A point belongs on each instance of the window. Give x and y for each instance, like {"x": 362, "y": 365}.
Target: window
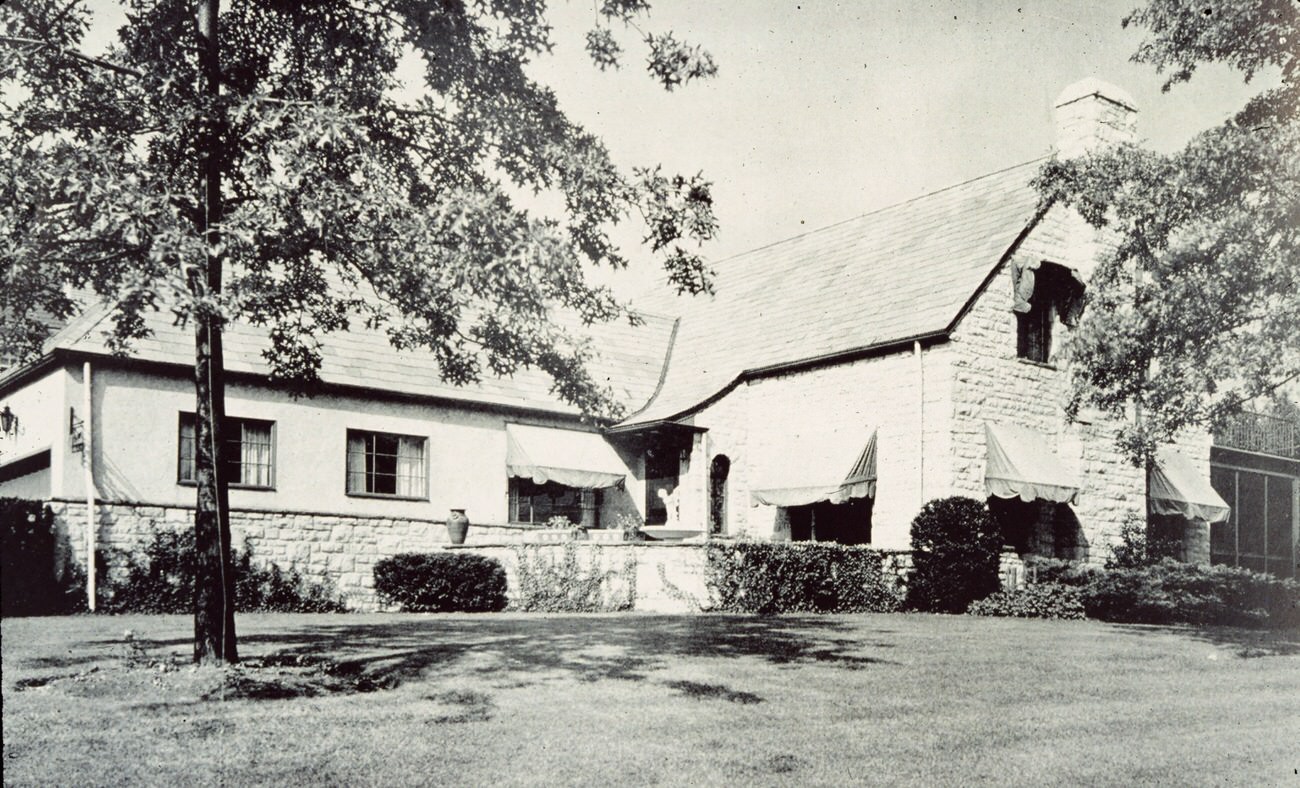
{"x": 384, "y": 464}
{"x": 661, "y": 469}
{"x": 535, "y": 503}
{"x": 1034, "y": 332}
{"x": 1260, "y": 532}
{"x": 248, "y": 455}
{"x": 1044, "y": 296}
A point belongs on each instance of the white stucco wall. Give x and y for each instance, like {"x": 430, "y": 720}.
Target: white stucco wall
{"x": 42, "y": 410}
{"x": 136, "y": 444}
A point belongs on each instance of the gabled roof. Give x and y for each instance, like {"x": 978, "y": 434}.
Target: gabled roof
{"x": 897, "y": 274}
{"x": 627, "y": 358}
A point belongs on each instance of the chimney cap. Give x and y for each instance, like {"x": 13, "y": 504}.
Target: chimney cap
{"x": 1091, "y": 86}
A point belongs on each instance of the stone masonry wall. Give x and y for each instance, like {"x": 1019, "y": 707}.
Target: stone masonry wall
{"x": 992, "y": 385}
{"x": 881, "y": 393}
{"x": 340, "y": 549}
{"x": 669, "y": 578}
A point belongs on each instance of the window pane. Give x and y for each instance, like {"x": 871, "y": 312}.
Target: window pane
{"x": 384, "y": 464}
{"x": 356, "y": 463}
{"x": 1279, "y": 531}
{"x": 537, "y": 503}
{"x": 1223, "y": 536}
{"x": 1250, "y": 520}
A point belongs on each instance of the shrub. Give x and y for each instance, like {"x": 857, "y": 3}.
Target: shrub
{"x": 160, "y": 579}
{"x": 441, "y": 582}
{"x": 955, "y": 550}
{"x": 797, "y": 577}
{"x": 1141, "y": 544}
{"x": 1176, "y": 593}
{"x": 563, "y": 585}
{"x": 1040, "y": 569}
{"x": 1039, "y": 600}
{"x": 29, "y": 582}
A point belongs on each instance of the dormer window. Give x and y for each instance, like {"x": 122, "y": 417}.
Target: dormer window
{"x": 1045, "y": 294}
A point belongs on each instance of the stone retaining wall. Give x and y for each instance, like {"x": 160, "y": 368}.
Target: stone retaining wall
{"x": 338, "y": 549}
{"x": 669, "y": 577}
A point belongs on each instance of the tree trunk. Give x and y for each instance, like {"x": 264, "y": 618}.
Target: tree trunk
{"x": 214, "y": 581}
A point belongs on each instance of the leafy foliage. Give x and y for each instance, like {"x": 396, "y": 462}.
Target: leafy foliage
{"x": 1040, "y": 569}
{"x": 1037, "y": 600}
{"x": 160, "y": 579}
{"x": 441, "y": 582}
{"x": 1170, "y": 592}
{"x": 797, "y": 577}
{"x": 29, "y": 582}
{"x": 1142, "y": 544}
{"x": 347, "y": 200}
{"x": 955, "y": 549}
{"x": 548, "y": 583}
{"x": 1196, "y": 311}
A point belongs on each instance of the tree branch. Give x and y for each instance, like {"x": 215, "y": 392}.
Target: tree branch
{"x": 74, "y": 55}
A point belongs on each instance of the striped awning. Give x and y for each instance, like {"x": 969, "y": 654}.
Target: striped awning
{"x": 1021, "y": 465}
{"x": 1176, "y": 486}
{"x": 574, "y": 459}
{"x": 835, "y": 465}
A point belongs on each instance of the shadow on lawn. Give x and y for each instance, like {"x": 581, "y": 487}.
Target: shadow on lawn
{"x": 518, "y": 652}
{"x": 526, "y": 650}
{"x": 1245, "y": 643}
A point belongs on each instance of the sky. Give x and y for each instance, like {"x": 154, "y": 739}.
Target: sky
{"x": 822, "y": 111}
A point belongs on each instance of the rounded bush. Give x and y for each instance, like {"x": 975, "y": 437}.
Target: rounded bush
{"x": 955, "y": 549}
{"x": 441, "y": 583}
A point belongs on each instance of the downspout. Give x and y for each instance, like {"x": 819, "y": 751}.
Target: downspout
{"x": 707, "y": 497}
{"x": 920, "y": 405}
{"x": 88, "y": 464}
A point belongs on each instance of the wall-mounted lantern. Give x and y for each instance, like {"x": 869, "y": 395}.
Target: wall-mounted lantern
{"x": 8, "y": 422}
{"x": 75, "y": 431}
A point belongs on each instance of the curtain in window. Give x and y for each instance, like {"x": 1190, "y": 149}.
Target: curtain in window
{"x": 356, "y": 463}
{"x": 255, "y": 454}
{"x": 186, "y": 470}
{"x": 410, "y": 466}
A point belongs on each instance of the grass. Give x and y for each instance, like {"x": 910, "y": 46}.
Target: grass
{"x": 638, "y": 699}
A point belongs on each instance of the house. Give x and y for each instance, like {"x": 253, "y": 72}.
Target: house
{"x": 838, "y": 381}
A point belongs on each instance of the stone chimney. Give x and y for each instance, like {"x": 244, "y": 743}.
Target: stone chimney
{"x": 1091, "y": 114}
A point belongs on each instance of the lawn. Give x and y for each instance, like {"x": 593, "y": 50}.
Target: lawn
{"x": 640, "y": 699}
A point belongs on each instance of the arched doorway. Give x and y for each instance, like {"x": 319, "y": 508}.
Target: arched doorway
{"x": 718, "y": 471}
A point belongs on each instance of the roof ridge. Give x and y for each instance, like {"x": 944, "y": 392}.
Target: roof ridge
{"x": 882, "y": 209}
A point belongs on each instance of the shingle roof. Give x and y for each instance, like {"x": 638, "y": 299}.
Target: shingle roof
{"x": 628, "y": 358}
{"x": 900, "y": 272}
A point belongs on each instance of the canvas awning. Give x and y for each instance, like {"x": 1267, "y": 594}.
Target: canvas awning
{"x": 1068, "y": 297}
{"x": 1176, "y": 486}
{"x": 574, "y": 459}
{"x": 1021, "y": 465}
{"x": 802, "y": 468}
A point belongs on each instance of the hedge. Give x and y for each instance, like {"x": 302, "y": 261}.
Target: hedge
{"x": 441, "y": 582}
{"x": 1171, "y": 592}
{"x": 797, "y": 577}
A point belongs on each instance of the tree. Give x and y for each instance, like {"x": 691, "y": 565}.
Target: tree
{"x": 262, "y": 162}
{"x": 1195, "y": 315}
